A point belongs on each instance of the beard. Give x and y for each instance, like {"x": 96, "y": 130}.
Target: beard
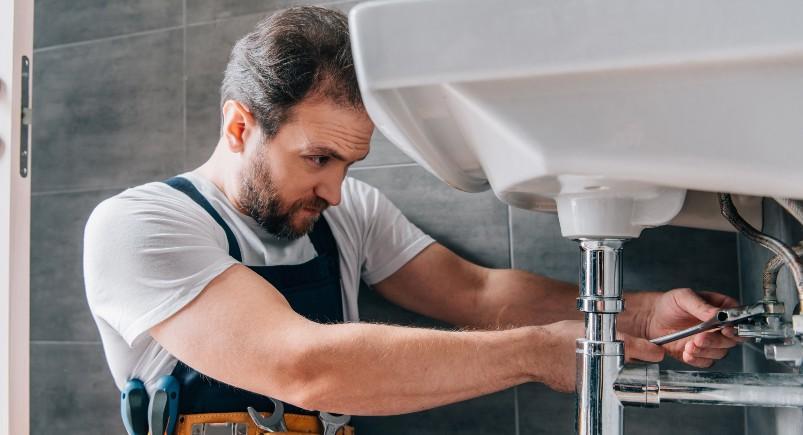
{"x": 260, "y": 198}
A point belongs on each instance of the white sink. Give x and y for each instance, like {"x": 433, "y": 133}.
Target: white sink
{"x": 612, "y": 108}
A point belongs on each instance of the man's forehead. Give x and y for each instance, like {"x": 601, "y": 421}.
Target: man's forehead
{"x": 321, "y": 109}
{"x": 340, "y": 129}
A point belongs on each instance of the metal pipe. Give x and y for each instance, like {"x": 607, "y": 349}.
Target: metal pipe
{"x": 600, "y": 356}
{"x": 786, "y": 252}
{"x": 643, "y": 385}
{"x": 601, "y": 327}
{"x": 792, "y": 206}
{"x": 770, "y": 276}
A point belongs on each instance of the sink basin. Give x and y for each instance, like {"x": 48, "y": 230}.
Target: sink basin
{"x": 612, "y": 109}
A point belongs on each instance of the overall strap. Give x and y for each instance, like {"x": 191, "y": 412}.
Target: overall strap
{"x": 322, "y": 238}
{"x": 185, "y": 186}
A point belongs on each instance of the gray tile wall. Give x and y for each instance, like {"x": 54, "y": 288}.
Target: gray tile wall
{"x": 127, "y": 91}
{"x": 752, "y": 258}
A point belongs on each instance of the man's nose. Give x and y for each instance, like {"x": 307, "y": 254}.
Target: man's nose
{"x": 329, "y": 191}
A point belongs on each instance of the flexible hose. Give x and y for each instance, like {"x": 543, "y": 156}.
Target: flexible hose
{"x": 770, "y": 276}
{"x": 794, "y": 207}
{"x": 778, "y": 247}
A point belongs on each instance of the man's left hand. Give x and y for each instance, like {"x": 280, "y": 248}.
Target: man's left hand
{"x": 682, "y": 308}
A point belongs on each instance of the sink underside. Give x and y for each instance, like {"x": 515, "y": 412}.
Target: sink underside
{"x": 612, "y": 109}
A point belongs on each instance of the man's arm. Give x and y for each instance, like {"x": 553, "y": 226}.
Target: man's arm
{"x": 444, "y": 286}
{"x": 240, "y": 330}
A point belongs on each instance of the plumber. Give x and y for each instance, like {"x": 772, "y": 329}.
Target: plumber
{"x": 239, "y": 278}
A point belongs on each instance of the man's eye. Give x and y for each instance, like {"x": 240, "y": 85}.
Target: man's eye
{"x": 318, "y": 160}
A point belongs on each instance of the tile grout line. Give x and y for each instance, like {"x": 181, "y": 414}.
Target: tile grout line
{"x": 516, "y": 427}
{"x": 516, "y": 419}
{"x": 79, "y": 190}
{"x": 741, "y": 298}
{"x": 231, "y": 17}
{"x": 745, "y": 349}
{"x": 184, "y": 83}
{"x": 746, "y": 423}
{"x": 71, "y": 342}
{"x": 510, "y": 236}
{"x": 105, "y": 39}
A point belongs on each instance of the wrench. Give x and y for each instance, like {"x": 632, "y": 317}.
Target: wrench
{"x": 332, "y": 423}
{"x": 724, "y": 317}
{"x": 274, "y": 423}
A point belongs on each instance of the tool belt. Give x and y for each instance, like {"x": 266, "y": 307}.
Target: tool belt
{"x": 240, "y": 423}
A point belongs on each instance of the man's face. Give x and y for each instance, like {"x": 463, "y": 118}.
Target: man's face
{"x": 289, "y": 180}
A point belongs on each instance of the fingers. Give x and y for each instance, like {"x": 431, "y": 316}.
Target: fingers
{"x": 714, "y": 340}
{"x": 641, "y": 349}
{"x": 714, "y": 353}
{"x": 730, "y": 332}
{"x": 703, "y": 350}
{"x": 719, "y": 300}
{"x": 697, "y": 362}
{"x": 693, "y": 303}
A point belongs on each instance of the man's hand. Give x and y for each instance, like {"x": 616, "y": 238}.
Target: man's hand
{"x": 682, "y": 308}
{"x": 563, "y": 359}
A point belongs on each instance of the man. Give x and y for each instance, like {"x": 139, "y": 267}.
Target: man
{"x": 244, "y": 272}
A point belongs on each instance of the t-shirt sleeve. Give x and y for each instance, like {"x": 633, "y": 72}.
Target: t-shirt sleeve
{"x": 146, "y": 256}
{"x": 390, "y": 240}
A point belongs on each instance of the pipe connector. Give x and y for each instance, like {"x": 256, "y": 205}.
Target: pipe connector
{"x": 785, "y": 353}
{"x": 637, "y": 385}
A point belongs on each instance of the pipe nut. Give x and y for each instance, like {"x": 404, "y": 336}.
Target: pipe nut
{"x": 791, "y": 353}
{"x": 600, "y": 305}
{"x": 797, "y": 324}
{"x": 774, "y": 307}
{"x": 599, "y": 348}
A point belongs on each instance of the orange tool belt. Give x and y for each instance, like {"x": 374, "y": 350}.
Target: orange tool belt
{"x": 240, "y": 423}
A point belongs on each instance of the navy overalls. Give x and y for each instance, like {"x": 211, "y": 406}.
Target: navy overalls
{"x": 311, "y": 288}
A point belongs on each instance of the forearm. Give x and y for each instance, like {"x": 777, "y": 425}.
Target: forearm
{"x": 517, "y": 298}
{"x": 369, "y": 369}
{"x": 513, "y": 297}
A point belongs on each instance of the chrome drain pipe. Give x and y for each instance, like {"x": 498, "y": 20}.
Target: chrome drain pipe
{"x": 645, "y": 386}
{"x": 600, "y": 356}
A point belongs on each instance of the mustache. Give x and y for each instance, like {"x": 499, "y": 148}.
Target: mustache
{"x": 316, "y": 203}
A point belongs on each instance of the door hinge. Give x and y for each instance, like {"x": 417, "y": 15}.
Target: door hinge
{"x": 25, "y": 115}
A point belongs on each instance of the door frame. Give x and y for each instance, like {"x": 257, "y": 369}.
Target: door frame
{"x": 16, "y": 42}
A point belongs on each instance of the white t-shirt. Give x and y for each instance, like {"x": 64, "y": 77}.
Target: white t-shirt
{"x": 151, "y": 249}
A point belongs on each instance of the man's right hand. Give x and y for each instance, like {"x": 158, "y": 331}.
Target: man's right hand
{"x": 360, "y": 368}
{"x": 560, "y": 370}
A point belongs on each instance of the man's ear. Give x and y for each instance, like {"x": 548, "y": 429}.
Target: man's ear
{"x": 238, "y": 124}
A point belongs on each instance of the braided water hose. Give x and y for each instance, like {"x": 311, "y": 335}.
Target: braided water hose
{"x": 770, "y": 276}
{"x": 780, "y": 248}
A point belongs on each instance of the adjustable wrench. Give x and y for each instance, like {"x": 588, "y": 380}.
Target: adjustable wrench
{"x": 723, "y": 317}
{"x": 274, "y": 423}
{"x": 332, "y": 423}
